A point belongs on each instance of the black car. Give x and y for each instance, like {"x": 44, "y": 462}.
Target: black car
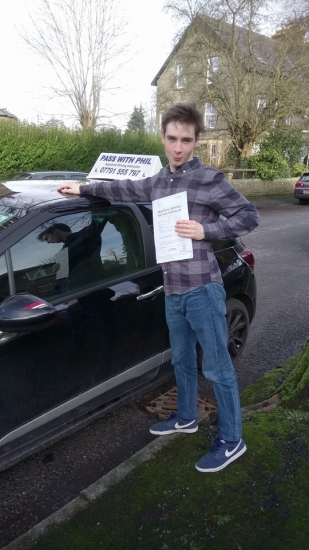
{"x": 301, "y": 189}
{"x": 50, "y": 175}
{"x": 82, "y": 318}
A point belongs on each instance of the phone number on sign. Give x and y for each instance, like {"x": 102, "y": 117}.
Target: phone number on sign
{"x": 120, "y": 171}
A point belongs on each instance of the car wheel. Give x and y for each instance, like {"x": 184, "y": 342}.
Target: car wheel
{"x": 237, "y": 319}
{"x": 302, "y": 201}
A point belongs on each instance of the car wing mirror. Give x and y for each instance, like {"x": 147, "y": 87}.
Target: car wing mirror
{"x": 24, "y": 313}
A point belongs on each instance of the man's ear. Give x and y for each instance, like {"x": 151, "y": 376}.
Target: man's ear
{"x": 162, "y": 136}
{"x": 197, "y": 139}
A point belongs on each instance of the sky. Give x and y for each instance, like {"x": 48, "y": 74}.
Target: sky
{"x": 25, "y": 83}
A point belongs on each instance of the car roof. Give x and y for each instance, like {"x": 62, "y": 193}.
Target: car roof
{"x": 49, "y": 172}
{"x": 30, "y": 194}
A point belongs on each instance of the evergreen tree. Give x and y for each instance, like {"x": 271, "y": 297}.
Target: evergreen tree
{"x": 137, "y": 120}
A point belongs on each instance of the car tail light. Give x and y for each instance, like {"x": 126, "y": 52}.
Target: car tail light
{"x": 248, "y": 257}
{"x": 299, "y": 184}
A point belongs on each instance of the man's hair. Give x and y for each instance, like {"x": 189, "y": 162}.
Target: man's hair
{"x": 186, "y": 113}
{"x": 51, "y": 229}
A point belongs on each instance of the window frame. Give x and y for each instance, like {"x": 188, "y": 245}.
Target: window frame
{"x": 210, "y": 116}
{"x": 180, "y": 79}
{"x": 212, "y": 68}
{"x": 36, "y": 218}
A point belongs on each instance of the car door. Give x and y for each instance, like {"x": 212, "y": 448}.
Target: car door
{"x": 109, "y": 330}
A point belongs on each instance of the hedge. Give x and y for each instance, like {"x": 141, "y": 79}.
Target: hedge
{"x": 30, "y": 147}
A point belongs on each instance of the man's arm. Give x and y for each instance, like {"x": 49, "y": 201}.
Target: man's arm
{"x": 116, "y": 190}
{"x": 240, "y": 215}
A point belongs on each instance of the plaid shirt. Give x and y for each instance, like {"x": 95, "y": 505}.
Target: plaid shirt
{"x": 209, "y": 196}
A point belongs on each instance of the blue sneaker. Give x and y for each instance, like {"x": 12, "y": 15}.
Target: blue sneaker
{"x": 220, "y": 455}
{"x": 174, "y": 424}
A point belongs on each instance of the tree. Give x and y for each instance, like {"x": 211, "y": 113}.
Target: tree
{"x": 83, "y": 42}
{"x": 137, "y": 120}
{"x": 257, "y": 79}
{"x": 290, "y": 143}
{"x": 150, "y": 114}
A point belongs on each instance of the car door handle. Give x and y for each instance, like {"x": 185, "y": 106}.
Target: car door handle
{"x": 150, "y": 294}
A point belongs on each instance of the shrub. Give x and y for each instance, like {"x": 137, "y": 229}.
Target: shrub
{"x": 298, "y": 169}
{"x": 25, "y": 147}
{"x": 270, "y": 165}
{"x": 290, "y": 143}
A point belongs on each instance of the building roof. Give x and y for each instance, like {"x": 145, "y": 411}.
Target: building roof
{"x": 6, "y": 114}
{"x": 265, "y": 50}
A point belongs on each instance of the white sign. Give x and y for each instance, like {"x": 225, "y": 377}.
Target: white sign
{"x": 62, "y": 259}
{"x": 116, "y": 166}
{"x": 166, "y": 212}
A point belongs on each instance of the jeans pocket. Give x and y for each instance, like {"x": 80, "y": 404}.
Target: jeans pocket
{"x": 220, "y": 295}
{"x": 197, "y": 290}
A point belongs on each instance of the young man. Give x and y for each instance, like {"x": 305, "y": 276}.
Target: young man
{"x": 194, "y": 293}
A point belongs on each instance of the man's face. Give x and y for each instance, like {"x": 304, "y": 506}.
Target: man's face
{"x": 53, "y": 238}
{"x": 179, "y": 141}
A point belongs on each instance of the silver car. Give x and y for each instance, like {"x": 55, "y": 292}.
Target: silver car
{"x": 301, "y": 189}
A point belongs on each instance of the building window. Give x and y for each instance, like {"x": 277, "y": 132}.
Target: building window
{"x": 261, "y": 103}
{"x": 210, "y": 116}
{"x": 212, "y": 68}
{"x": 180, "y": 76}
{"x": 214, "y": 149}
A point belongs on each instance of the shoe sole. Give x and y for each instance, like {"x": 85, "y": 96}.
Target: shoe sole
{"x": 234, "y": 457}
{"x": 174, "y": 431}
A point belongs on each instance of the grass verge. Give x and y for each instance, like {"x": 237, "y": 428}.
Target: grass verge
{"x": 260, "y": 501}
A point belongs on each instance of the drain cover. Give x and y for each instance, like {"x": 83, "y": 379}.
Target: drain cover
{"x": 166, "y": 403}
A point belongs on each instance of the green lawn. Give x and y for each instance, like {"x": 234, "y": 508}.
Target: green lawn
{"x": 260, "y": 502}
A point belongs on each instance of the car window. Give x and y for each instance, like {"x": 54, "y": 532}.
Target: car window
{"x": 305, "y": 177}
{"x": 222, "y": 244}
{"x": 76, "y": 177}
{"x": 76, "y": 251}
{"x": 4, "y": 284}
{"x": 22, "y": 176}
{"x": 54, "y": 177}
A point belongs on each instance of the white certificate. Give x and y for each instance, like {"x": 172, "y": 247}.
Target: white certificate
{"x": 166, "y": 212}
{"x": 62, "y": 258}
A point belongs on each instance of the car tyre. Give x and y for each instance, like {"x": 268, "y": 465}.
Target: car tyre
{"x": 238, "y": 322}
{"x": 302, "y": 201}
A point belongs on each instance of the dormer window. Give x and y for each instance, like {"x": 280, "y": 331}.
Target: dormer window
{"x": 180, "y": 81}
{"x": 212, "y": 68}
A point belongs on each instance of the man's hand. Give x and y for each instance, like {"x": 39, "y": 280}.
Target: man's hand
{"x": 190, "y": 229}
{"x": 55, "y": 268}
{"x": 69, "y": 189}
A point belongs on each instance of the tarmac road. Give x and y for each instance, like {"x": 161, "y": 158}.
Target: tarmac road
{"x": 40, "y": 485}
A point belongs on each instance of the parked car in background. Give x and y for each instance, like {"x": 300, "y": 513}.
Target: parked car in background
{"x": 82, "y": 311}
{"x": 301, "y": 189}
{"x": 50, "y": 175}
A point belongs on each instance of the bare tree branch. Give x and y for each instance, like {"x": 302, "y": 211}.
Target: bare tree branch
{"x": 83, "y": 42}
{"x": 260, "y": 80}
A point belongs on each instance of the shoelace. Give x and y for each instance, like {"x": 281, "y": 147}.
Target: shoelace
{"x": 170, "y": 418}
{"x": 217, "y": 445}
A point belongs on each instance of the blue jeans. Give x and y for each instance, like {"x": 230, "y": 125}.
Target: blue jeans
{"x": 199, "y": 315}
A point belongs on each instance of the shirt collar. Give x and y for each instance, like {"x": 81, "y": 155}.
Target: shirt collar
{"x": 194, "y": 163}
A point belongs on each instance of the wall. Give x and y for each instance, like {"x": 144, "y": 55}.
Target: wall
{"x": 256, "y": 187}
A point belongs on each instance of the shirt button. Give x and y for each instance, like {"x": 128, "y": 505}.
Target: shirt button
{"x": 183, "y": 171}
{"x": 171, "y": 179}
{"x": 165, "y": 272}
